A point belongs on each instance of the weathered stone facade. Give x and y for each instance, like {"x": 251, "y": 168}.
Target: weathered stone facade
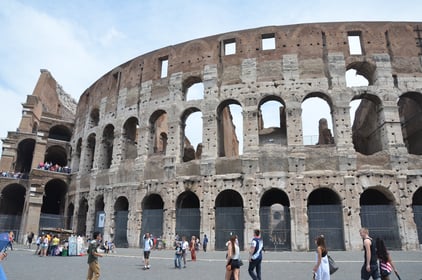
{"x": 128, "y": 144}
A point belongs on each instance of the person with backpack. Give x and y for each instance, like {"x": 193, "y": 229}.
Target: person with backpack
{"x": 148, "y": 245}
{"x": 255, "y": 255}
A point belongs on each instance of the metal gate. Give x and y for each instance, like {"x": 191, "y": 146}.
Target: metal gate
{"x": 188, "y": 221}
{"x": 120, "y": 229}
{"x": 326, "y": 219}
{"x": 10, "y": 223}
{"x": 52, "y": 221}
{"x": 228, "y": 221}
{"x": 417, "y": 214}
{"x": 275, "y": 228}
{"x": 152, "y": 222}
{"x": 381, "y": 220}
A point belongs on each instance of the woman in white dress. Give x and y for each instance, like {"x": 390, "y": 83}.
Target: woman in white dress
{"x": 321, "y": 269}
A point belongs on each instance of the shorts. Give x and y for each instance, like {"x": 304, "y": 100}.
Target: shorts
{"x": 365, "y": 275}
{"x": 235, "y": 264}
{"x": 146, "y": 254}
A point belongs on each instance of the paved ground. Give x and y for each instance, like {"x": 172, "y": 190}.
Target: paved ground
{"x": 125, "y": 264}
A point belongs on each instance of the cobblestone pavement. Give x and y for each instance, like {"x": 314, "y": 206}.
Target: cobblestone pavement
{"x": 126, "y": 264}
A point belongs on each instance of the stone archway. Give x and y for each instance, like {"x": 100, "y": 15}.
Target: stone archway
{"x": 325, "y": 217}
{"x": 121, "y": 211}
{"x": 274, "y": 215}
{"x": 188, "y": 218}
{"x": 152, "y": 216}
{"x": 417, "y": 212}
{"x": 12, "y": 201}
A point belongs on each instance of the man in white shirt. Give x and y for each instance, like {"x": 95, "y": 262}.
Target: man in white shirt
{"x": 147, "y": 249}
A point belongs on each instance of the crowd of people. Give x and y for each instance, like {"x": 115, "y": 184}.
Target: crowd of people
{"x": 49, "y": 166}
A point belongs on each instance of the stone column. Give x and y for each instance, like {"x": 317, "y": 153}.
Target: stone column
{"x": 250, "y": 130}
{"x": 351, "y": 214}
{"x": 299, "y": 216}
{"x": 294, "y": 121}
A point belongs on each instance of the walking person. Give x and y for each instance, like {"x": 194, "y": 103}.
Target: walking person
{"x": 385, "y": 260}
{"x": 185, "y": 246}
{"x": 93, "y": 265}
{"x": 370, "y": 265}
{"x": 205, "y": 242}
{"x": 232, "y": 259}
{"x": 255, "y": 255}
{"x": 148, "y": 243}
{"x": 322, "y": 268}
{"x": 29, "y": 239}
{"x": 192, "y": 247}
{"x": 178, "y": 255}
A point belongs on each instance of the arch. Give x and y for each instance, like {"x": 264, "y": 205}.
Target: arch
{"x": 188, "y": 215}
{"x": 230, "y": 128}
{"x": 366, "y": 128}
{"x": 158, "y": 127}
{"x": 229, "y": 218}
{"x": 193, "y": 88}
{"x": 325, "y": 216}
{"x": 69, "y": 217}
{"x": 76, "y": 160}
{"x": 410, "y": 111}
{"x": 317, "y": 119}
{"x": 274, "y": 215}
{"x": 130, "y": 139}
{"x": 378, "y": 214}
{"x": 417, "y": 212}
{"x": 152, "y": 215}
{"x": 107, "y": 145}
{"x": 82, "y": 215}
{"x": 53, "y": 205}
{"x": 25, "y": 155}
{"x": 56, "y": 155}
{"x": 365, "y": 69}
{"x": 192, "y": 124}
{"x": 60, "y": 132}
{"x": 12, "y": 200}
{"x": 99, "y": 213}
{"x": 272, "y": 126}
{"x": 94, "y": 117}
{"x": 121, "y": 212}
{"x": 90, "y": 151}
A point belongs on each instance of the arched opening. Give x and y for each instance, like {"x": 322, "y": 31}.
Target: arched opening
{"x": 317, "y": 124}
{"x": 192, "y": 134}
{"x": 229, "y": 218}
{"x": 90, "y": 152}
{"x": 272, "y": 125}
{"x": 188, "y": 218}
{"x": 130, "y": 139}
{"x": 94, "y": 118}
{"x": 60, "y": 132}
{"x": 274, "y": 214}
{"x": 12, "y": 201}
{"x": 99, "y": 214}
{"x": 53, "y": 205}
{"x": 194, "y": 89}
{"x": 378, "y": 214}
{"x": 359, "y": 74}
{"x": 417, "y": 212}
{"x": 325, "y": 216}
{"x": 25, "y": 154}
{"x": 77, "y": 158}
{"x": 158, "y": 128}
{"x": 82, "y": 215}
{"x": 69, "y": 218}
{"x": 152, "y": 216}
{"x": 56, "y": 157}
{"x": 367, "y": 125}
{"x": 107, "y": 144}
{"x": 410, "y": 111}
{"x": 230, "y": 129}
{"x": 121, "y": 212}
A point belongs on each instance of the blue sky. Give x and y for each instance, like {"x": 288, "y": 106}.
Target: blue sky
{"x": 79, "y": 41}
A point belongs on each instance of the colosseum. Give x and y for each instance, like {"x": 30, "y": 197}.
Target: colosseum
{"x": 120, "y": 159}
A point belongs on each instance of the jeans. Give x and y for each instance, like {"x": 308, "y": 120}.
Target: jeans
{"x": 178, "y": 261}
{"x": 255, "y": 264}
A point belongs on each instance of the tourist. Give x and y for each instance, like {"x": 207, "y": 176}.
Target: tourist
{"x": 385, "y": 260}
{"x": 185, "y": 246}
{"x": 255, "y": 256}
{"x": 370, "y": 265}
{"x": 192, "y": 246}
{"x": 93, "y": 265}
{"x": 205, "y": 242}
{"x": 148, "y": 243}
{"x": 232, "y": 259}
{"x": 178, "y": 255}
{"x": 321, "y": 269}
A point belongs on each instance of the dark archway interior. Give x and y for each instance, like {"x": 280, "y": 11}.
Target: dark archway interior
{"x": 274, "y": 196}
{"x": 99, "y": 204}
{"x": 56, "y": 155}
{"x": 153, "y": 201}
{"x": 374, "y": 197}
{"x": 229, "y": 198}
{"x": 25, "y": 154}
{"x": 12, "y": 200}
{"x": 323, "y": 196}
{"x": 122, "y": 204}
{"x": 60, "y": 132}
{"x": 187, "y": 200}
{"x": 54, "y": 197}
{"x": 417, "y": 197}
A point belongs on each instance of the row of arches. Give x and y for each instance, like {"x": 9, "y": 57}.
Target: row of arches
{"x": 368, "y": 128}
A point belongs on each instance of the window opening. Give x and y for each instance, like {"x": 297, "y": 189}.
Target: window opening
{"x": 268, "y": 42}
{"x": 192, "y": 142}
{"x": 229, "y": 47}
{"x": 314, "y": 111}
{"x": 355, "y": 46}
{"x": 164, "y": 67}
{"x": 195, "y": 92}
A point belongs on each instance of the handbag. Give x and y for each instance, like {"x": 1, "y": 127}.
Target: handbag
{"x": 385, "y": 268}
{"x": 332, "y": 264}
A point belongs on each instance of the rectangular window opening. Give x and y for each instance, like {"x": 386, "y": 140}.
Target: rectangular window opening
{"x": 268, "y": 41}
{"x": 355, "y": 46}
{"x": 230, "y": 47}
{"x": 164, "y": 67}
